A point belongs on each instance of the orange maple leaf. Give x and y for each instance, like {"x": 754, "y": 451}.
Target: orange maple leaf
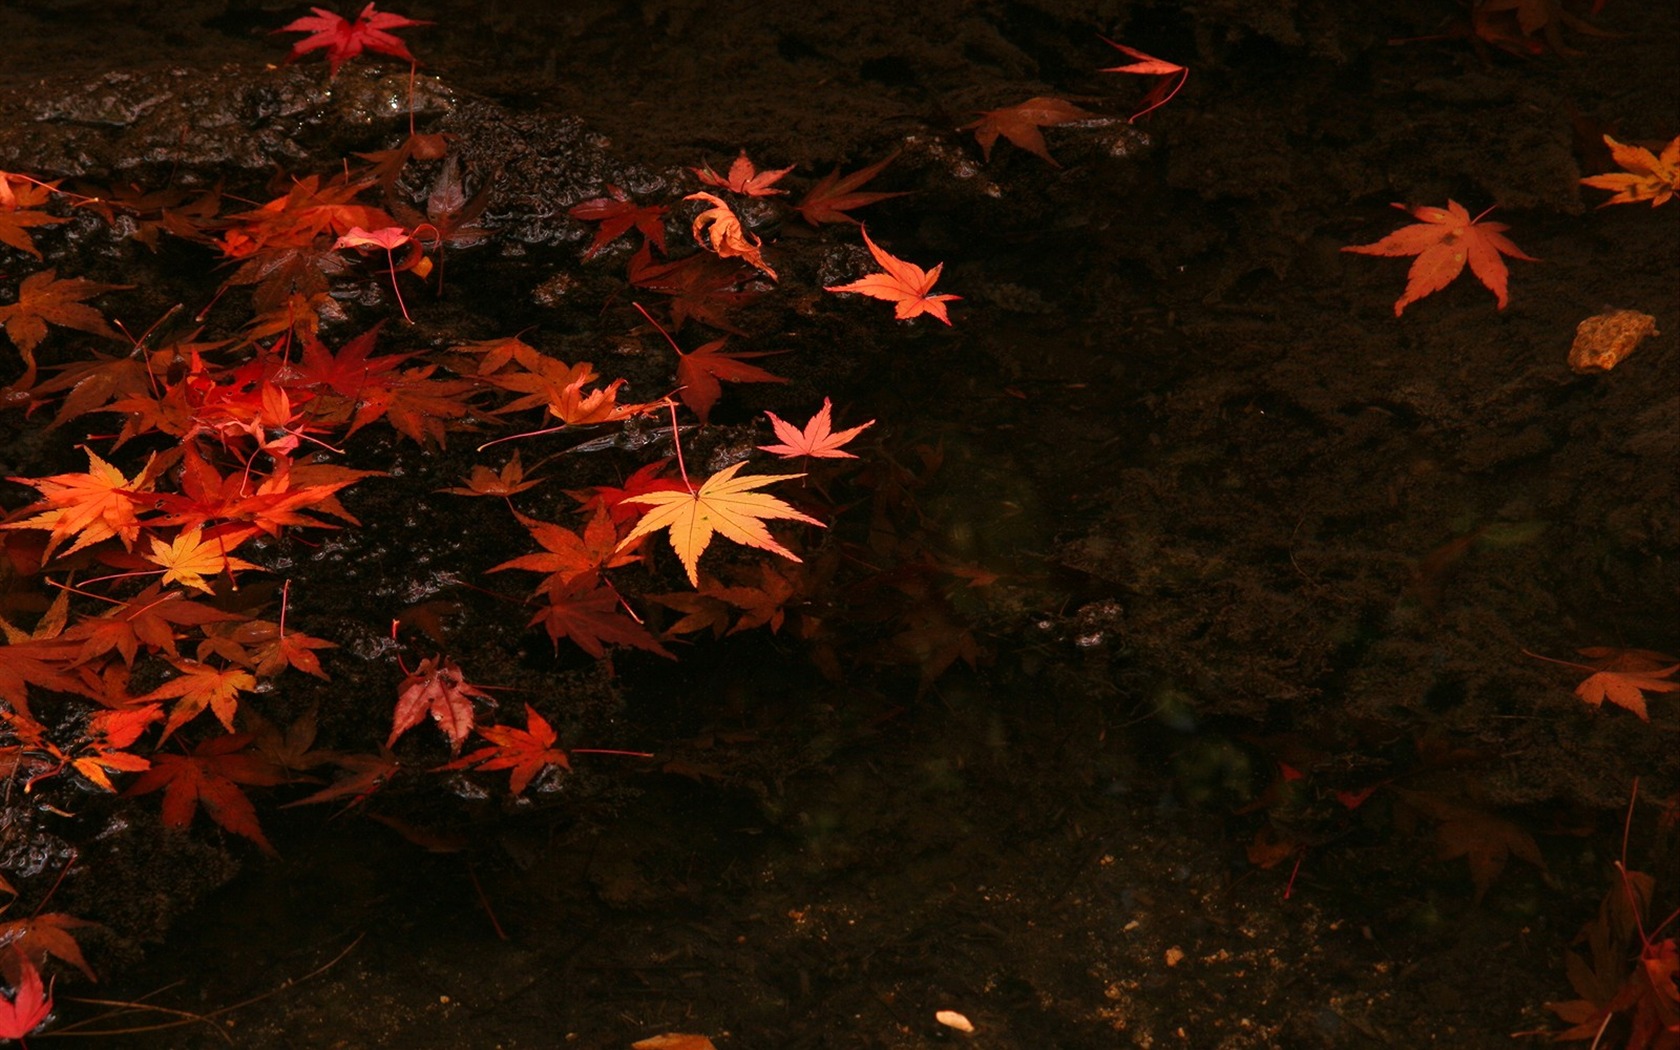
{"x": 724, "y": 504}
{"x": 743, "y": 178}
{"x": 1020, "y": 123}
{"x": 486, "y": 482}
{"x": 20, "y": 196}
{"x": 904, "y": 284}
{"x": 526, "y": 752}
{"x": 210, "y": 777}
{"x": 43, "y": 299}
{"x": 570, "y": 556}
{"x": 817, "y": 440}
{"x": 1647, "y": 177}
{"x": 92, "y": 506}
{"x": 1624, "y": 676}
{"x": 720, "y": 229}
{"x": 1442, "y": 242}
{"x": 201, "y": 685}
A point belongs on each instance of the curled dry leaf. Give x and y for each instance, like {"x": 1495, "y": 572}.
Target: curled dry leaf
{"x": 719, "y": 229}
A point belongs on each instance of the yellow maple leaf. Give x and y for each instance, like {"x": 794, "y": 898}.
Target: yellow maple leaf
{"x": 190, "y": 557}
{"x": 1647, "y": 177}
{"x": 724, "y": 504}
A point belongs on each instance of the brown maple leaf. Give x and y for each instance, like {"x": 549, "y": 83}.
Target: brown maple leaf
{"x": 591, "y": 615}
{"x": 1443, "y": 241}
{"x": 1020, "y": 123}
{"x": 1484, "y": 839}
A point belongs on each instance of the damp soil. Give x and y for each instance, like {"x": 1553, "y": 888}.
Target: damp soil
{"x": 1244, "y": 524}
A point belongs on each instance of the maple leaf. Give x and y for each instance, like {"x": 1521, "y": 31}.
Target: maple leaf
{"x": 210, "y": 777}
{"x": 268, "y": 648}
{"x": 834, "y": 195}
{"x": 33, "y": 939}
{"x": 570, "y": 556}
{"x": 1624, "y": 676}
{"x": 438, "y": 688}
{"x": 719, "y": 229}
{"x": 149, "y": 618}
{"x": 1149, "y": 65}
{"x": 674, "y": 1041}
{"x": 92, "y": 506}
{"x": 1442, "y": 242}
{"x": 1485, "y": 840}
{"x": 904, "y": 284}
{"x": 743, "y": 178}
{"x": 724, "y": 504}
{"x": 526, "y": 752}
{"x": 1646, "y": 177}
{"x": 28, "y": 1007}
{"x": 1020, "y": 123}
{"x": 562, "y": 388}
{"x": 701, "y": 286}
{"x": 344, "y": 39}
{"x": 699, "y": 371}
{"x": 43, "y": 299}
{"x": 97, "y": 763}
{"x": 188, "y": 557}
{"x": 201, "y": 685}
{"x": 590, "y": 615}
{"x": 817, "y": 440}
{"x": 647, "y": 478}
{"x": 504, "y": 483}
{"x": 617, "y": 213}
{"x": 19, "y": 199}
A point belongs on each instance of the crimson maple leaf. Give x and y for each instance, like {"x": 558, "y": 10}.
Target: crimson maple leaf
{"x": 590, "y": 615}
{"x": 526, "y": 752}
{"x": 438, "y": 688}
{"x": 817, "y": 439}
{"x": 904, "y": 284}
{"x": 210, "y": 777}
{"x": 1443, "y": 241}
{"x": 344, "y": 39}
{"x": 20, "y": 197}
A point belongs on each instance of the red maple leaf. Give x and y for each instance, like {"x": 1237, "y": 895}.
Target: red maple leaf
{"x": 617, "y": 213}
{"x": 1172, "y": 76}
{"x": 345, "y": 39}
{"x": 701, "y": 286}
{"x": 817, "y": 440}
{"x": 1020, "y": 123}
{"x": 904, "y": 284}
{"x": 700, "y": 371}
{"x": 743, "y": 178}
{"x": 834, "y": 195}
{"x": 526, "y": 752}
{"x": 29, "y": 1006}
{"x": 1443, "y": 241}
{"x": 591, "y": 615}
{"x": 210, "y": 777}
{"x": 438, "y": 688}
